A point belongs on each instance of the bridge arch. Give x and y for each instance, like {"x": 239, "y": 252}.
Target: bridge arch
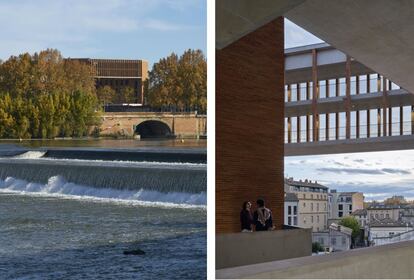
{"x": 153, "y": 129}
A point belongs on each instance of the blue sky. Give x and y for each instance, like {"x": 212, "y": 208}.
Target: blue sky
{"x": 131, "y": 29}
{"x": 377, "y": 174}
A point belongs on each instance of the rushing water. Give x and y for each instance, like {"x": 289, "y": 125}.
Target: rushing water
{"x": 72, "y": 217}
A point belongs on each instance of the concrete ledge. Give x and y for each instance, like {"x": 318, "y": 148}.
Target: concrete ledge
{"x": 388, "y": 261}
{"x": 238, "y": 249}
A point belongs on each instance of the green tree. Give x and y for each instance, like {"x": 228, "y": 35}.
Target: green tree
{"x": 352, "y": 223}
{"x": 106, "y": 95}
{"x": 128, "y": 95}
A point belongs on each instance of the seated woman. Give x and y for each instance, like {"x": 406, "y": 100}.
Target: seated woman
{"x": 246, "y": 218}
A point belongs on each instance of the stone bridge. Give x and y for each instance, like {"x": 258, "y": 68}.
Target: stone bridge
{"x": 154, "y": 124}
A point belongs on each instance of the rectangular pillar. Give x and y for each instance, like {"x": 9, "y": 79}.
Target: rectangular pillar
{"x": 250, "y": 125}
{"x": 368, "y": 112}
{"x": 336, "y": 114}
{"x": 298, "y": 126}
{"x": 357, "y": 112}
{"x": 384, "y": 105}
{"x": 289, "y": 119}
{"x": 412, "y": 119}
{"x": 315, "y": 96}
{"x": 327, "y": 115}
{"x": 379, "y": 110}
{"x": 348, "y": 97}
{"x": 401, "y": 120}
{"x": 307, "y": 116}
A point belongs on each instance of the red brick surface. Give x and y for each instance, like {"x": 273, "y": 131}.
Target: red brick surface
{"x": 250, "y": 125}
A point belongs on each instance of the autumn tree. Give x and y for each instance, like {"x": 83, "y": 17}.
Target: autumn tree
{"x": 179, "y": 82}
{"x": 45, "y": 96}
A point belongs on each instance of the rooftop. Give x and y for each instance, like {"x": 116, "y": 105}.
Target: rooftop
{"x": 383, "y": 206}
{"x": 306, "y": 183}
{"x": 291, "y": 197}
{"x": 387, "y": 223}
{"x": 359, "y": 212}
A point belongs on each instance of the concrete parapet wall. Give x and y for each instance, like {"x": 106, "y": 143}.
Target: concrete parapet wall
{"x": 388, "y": 261}
{"x": 236, "y": 249}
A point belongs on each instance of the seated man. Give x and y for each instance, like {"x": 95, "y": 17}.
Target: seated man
{"x": 262, "y": 217}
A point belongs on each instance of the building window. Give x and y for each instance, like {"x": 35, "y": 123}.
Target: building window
{"x": 295, "y": 210}
{"x": 325, "y": 206}
{"x": 317, "y": 218}
{"x": 311, "y": 219}
{"x": 289, "y": 210}
{"x": 333, "y": 241}
{"x": 387, "y": 215}
{"x": 340, "y": 207}
{"x": 304, "y": 204}
{"x": 340, "y": 214}
{"x": 304, "y": 220}
{"x": 343, "y": 240}
{"x": 382, "y": 216}
{"x": 376, "y": 216}
{"x": 317, "y": 207}
{"x": 311, "y": 196}
{"x": 295, "y": 221}
{"x": 289, "y": 220}
{"x": 312, "y": 206}
{"x": 321, "y": 241}
{"x": 350, "y": 207}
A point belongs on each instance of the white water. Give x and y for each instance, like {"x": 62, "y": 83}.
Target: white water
{"x": 57, "y": 186}
{"x": 31, "y": 155}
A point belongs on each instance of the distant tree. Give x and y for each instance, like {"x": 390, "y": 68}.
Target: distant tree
{"x": 180, "y": 82}
{"x": 128, "y": 95}
{"x": 395, "y": 200}
{"x": 106, "y": 95}
{"x": 352, "y": 223}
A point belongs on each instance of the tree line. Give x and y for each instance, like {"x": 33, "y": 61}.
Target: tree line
{"x": 44, "y": 96}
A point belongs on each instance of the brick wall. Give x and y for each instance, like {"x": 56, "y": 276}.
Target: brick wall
{"x": 250, "y": 125}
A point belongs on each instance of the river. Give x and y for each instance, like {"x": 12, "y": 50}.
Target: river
{"x": 70, "y": 208}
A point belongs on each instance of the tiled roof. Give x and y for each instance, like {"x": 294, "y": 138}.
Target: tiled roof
{"x": 360, "y": 212}
{"x": 387, "y": 223}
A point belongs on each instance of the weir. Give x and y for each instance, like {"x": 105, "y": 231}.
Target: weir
{"x": 157, "y": 177}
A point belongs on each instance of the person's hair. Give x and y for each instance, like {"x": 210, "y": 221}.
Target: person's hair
{"x": 245, "y": 204}
{"x": 260, "y": 202}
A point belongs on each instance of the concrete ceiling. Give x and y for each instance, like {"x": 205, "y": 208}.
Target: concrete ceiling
{"x": 377, "y": 33}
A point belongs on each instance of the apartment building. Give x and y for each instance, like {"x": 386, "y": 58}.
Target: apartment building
{"x": 291, "y": 209}
{"x": 312, "y": 203}
{"x": 382, "y": 211}
{"x": 342, "y": 204}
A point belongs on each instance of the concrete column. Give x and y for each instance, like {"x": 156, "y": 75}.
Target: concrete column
{"x": 289, "y": 120}
{"x": 357, "y": 112}
{"x": 379, "y": 110}
{"x": 401, "y": 120}
{"x": 384, "y": 106}
{"x": 298, "y": 126}
{"x": 368, "y": 112}
{"x": 315, "y": 96}
{"x": 348, "y": 97}
{"x": 307, "y": 116}
{"x": 337, "y": 114}
{"x": 250, "y": 125}
{"x": 327, "y": 115}
{"x": 412, "y": 119}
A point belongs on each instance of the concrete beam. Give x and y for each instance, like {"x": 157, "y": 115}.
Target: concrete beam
{"x": 396, "y": 98}
{"x": 361, "y": 145}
